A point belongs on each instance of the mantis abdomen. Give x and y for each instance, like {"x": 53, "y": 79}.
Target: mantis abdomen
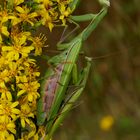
{"x": 49, "y": 92}
{"x": 49, "y": 88}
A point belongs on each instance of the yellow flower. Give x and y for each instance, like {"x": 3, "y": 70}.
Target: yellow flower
{"x": 32, "y": 130}
{"x": 47, "y": 4}
{"x": 26, "y": 63}
{"x": 30, "y": 69}
{"x": 41, "y": 132}
{"x": 4, "y": 77}
{"x": 14, "y": 69}
{"x": 16, "y": 33}
{"x": 44, "y": 4}
{"x": 4, "y": 31}
{"x": 24, "y": 15}
{"x": 27, "y": 135}
{"x": 26, "y": 114}
{"x": 48, "y": 13}
{"x": 11, "y": 137}
{"x": 8, "y": 109}
{"x": 6, "y": 128}
{"x": 38, "y": 43}
{"x": 30, "y": 89}
{"x": 32, "y": 73}
{"x": 4, "y": 17}
{"x": 17, "y": 2}
{"x": 52, "y": 12}
{"x": 17, "y": 48}
{"x": 106, "y": 123}
{"x": 3, "y": 62}
{"x": 36, "y": 137}
{"x": 66, "y": 2}
{"x": 65, "y": 12}
{"x": 5, "y": 94}
{"x": 47, "y": 20}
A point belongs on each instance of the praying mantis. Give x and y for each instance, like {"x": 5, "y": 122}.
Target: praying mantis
{"x": 54, "y": 87}
{"x": 75, "y": 95}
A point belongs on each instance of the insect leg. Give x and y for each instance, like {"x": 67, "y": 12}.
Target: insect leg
{"x": 63, "y": 36}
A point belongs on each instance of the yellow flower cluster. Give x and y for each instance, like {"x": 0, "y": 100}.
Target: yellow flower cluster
{"x": 19, "y": 73}
{"x": 41, "y": 12}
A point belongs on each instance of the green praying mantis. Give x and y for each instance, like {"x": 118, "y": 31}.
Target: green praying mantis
{"x": 72, "y": 99}
{"x": 54, "y": 86}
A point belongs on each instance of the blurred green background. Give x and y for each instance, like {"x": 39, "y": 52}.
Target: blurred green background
{"x": 110, "y": 108}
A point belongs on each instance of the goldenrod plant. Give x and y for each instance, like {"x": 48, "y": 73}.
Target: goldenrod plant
{"x": 31, "y": 108}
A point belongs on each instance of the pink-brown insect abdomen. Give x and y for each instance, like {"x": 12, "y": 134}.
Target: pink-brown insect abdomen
{"x": 48, "y": 98}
